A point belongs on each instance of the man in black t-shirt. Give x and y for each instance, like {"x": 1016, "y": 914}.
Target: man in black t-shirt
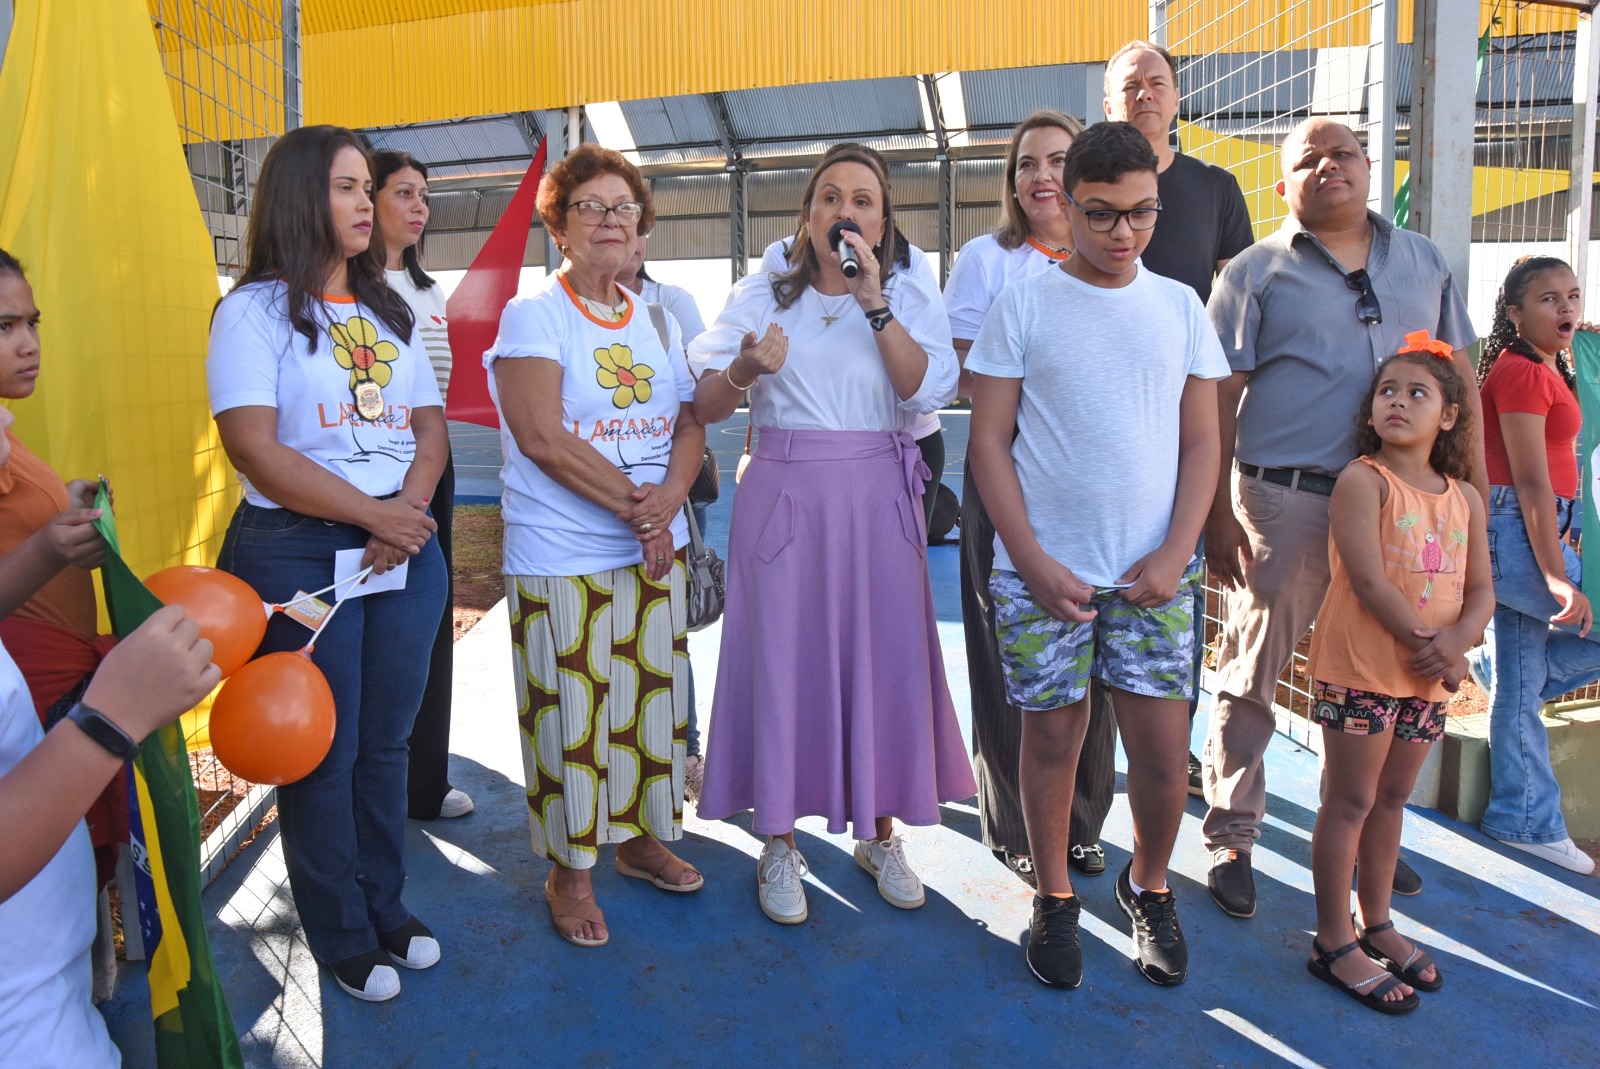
{"x": 1204, "y": 222}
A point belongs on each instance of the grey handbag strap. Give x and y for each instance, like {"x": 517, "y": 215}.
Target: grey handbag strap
{"x": 697, "y": 544}
{"x": 658, "y": 316}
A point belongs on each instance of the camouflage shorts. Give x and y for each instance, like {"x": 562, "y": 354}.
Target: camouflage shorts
{"x": 1048, "y": 662}
{"x": 1366, "y": 712}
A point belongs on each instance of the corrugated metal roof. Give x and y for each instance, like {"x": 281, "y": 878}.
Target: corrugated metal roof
{"x": 836, "y": 110}
{"x": 999, "y": 99}
{"x": 671, "y": 121}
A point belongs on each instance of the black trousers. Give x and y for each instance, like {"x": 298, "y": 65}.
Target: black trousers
{"x": 428, "y": 770}
{"x": 932, "y": 449}
{"x": 997, "y": 724}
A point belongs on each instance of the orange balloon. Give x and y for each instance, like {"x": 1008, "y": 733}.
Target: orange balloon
{"x": 273, "y": 720}
{"x": 230, "y": 613}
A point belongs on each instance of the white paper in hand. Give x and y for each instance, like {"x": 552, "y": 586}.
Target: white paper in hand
{"x": 347, "y": 563}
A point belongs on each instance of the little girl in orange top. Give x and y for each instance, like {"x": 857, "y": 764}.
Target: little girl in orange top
{"x": 1410, "y": 593}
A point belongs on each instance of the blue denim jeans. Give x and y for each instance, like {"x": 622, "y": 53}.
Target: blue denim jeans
{"x": 1533, "y": 662}
{"x": 343, "y": 826}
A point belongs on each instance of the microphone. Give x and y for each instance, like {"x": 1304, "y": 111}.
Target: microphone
{"x": 847, "y": 253}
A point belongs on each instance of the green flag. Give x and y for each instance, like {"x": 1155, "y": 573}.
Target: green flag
{"x": 1402, "y": 196}
{"x": 1586, "y": 361}
{"x": 193, "y": 1027}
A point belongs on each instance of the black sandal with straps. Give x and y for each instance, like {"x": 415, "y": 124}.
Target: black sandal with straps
{"x": 1321, "y": 966}
{"x": 1414, "y": 966}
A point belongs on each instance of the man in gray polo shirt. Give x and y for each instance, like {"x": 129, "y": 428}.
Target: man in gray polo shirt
{"x": 1305, "y": 316}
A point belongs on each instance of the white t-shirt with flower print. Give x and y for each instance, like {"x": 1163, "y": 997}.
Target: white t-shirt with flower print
{"x": 256, "y": 357}
{"x": 620, "y": 392}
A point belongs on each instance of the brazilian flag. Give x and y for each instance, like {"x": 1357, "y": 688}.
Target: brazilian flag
{"x": 193, "y": 1026}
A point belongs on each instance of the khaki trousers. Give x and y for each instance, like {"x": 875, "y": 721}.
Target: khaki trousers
{"x": 1262, "y": 624}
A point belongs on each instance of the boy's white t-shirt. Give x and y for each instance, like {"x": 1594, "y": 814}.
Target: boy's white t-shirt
{"x": 982, "y": 272}
{"x": 433, "y": 329}
{"x": 256, "y": 357}
{"x": 47, "y": 1018}
{"x": 1103, "y": 372}
{"x": 549, "y": 530}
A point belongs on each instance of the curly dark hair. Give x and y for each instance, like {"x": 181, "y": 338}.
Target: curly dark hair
{"x": 583, "y": 163}
{"x": 1452, "y": 449}
{"x": 1105, "y": 152}
{"x": 1503, "y": 336}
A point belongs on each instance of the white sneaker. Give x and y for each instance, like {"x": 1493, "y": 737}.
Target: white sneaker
{"x": 456, "y": 804}
{"x": 778, "y": 875}
{"x": 1564, "y": 853}
{"x": 886, "y": 861}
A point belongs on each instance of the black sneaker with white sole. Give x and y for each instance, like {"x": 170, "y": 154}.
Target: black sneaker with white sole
{"x": 1054, "y": 954}
{"x": 1197, "y": 784}
{"x": 411, "y": 945}
{"x": 368, "y": 976}
{"x": 1158, "y": 946}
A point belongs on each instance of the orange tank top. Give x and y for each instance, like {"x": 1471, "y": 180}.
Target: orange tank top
{"x": 1424, "y": 540}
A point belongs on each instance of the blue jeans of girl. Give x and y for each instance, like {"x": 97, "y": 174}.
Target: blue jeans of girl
{"x": 1533, "y": 662}
{"x": 343, "y": 826}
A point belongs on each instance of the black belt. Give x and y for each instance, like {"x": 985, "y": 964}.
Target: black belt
{"x": 1294, "y": 478}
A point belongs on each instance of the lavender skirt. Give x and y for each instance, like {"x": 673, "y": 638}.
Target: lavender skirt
{"x": 831, "y": 697}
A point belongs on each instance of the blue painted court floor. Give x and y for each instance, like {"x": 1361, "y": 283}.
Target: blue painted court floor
{"x": 706, "y": 980}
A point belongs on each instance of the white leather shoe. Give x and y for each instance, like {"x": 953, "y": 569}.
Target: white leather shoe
{"x": 779, "y": 873}
{"x": 1564, "y": 853}
{"x": 886, "y": 861}
{"x": 457, "y": 803}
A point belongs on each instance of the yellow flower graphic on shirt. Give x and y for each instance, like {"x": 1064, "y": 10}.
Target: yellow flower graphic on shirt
{"x": 617, "y": 372}
{"x": 356, "y": 347}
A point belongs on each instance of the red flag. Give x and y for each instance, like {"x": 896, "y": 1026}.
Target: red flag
{"x": 473, "y": 310}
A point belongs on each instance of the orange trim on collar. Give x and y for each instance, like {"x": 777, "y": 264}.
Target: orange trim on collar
{"x": 1047, "y": 250}
{"x": 331, "y": 299}
{"x": 572, "y": 295}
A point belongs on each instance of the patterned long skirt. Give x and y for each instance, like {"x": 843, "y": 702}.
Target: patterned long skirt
{"x": 601, "y": 665}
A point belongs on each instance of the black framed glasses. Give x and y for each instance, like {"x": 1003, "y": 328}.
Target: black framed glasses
{"x": 1104, "y": 220}
{"x": 1368, "y": 310}
{"x": 628, "y": 213}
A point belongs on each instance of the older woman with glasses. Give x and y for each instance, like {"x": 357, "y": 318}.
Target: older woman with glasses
{"x": 831, "y": 697}
{"x": 601, "y": 444}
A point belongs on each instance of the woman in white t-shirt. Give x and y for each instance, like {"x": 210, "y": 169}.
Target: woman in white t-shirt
{"x": 831, "y": 697}
{"x": 1033, "y": 236}
{"x": 334, "y": 423}
{"x": 400, "y": 199}
{"x": 601, "y": 443}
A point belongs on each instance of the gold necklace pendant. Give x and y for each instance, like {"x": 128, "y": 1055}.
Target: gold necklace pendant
{"x": 837, "y": 312}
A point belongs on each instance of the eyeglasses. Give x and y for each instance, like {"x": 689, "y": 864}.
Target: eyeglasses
{"x": 1105, "y": 220}
{"x": 1368, "y": 310}
{"x": 628, "y": 213}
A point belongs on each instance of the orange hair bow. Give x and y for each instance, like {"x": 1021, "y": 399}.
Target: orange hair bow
{"x": 1418, "y": 341}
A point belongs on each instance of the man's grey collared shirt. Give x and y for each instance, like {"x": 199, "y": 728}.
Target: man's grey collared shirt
{"x": 1286, "y": 316}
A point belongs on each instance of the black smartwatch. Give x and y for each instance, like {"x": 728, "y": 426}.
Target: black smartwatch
{"x": 95, "y": 724}
{"x": 880, "y": 317}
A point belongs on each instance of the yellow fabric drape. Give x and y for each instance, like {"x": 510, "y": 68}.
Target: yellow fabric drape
{"x": 97, "y": 202}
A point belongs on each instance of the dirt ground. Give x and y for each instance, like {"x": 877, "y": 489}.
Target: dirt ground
{"x": 479, "y": 584}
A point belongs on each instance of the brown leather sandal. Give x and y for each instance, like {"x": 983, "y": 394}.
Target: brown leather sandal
{"x": 568, "y": 914}
{"x": 666, "y": 874}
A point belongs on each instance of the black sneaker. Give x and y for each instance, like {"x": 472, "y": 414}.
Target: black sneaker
{"x": 1232, "y": 883}
{"x": 1054, "y": 954}
{"x": 369, "y": 976}
{"x": 1089, "y": 860}
{"x": 1406, "y": 880}
{"x": 1197, "y": 786}
{"x": 1159, "y": 950}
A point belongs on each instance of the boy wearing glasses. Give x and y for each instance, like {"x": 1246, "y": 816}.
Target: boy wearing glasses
{"x": 1106, "y": 373}
{"x": 1305, "y": 316}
